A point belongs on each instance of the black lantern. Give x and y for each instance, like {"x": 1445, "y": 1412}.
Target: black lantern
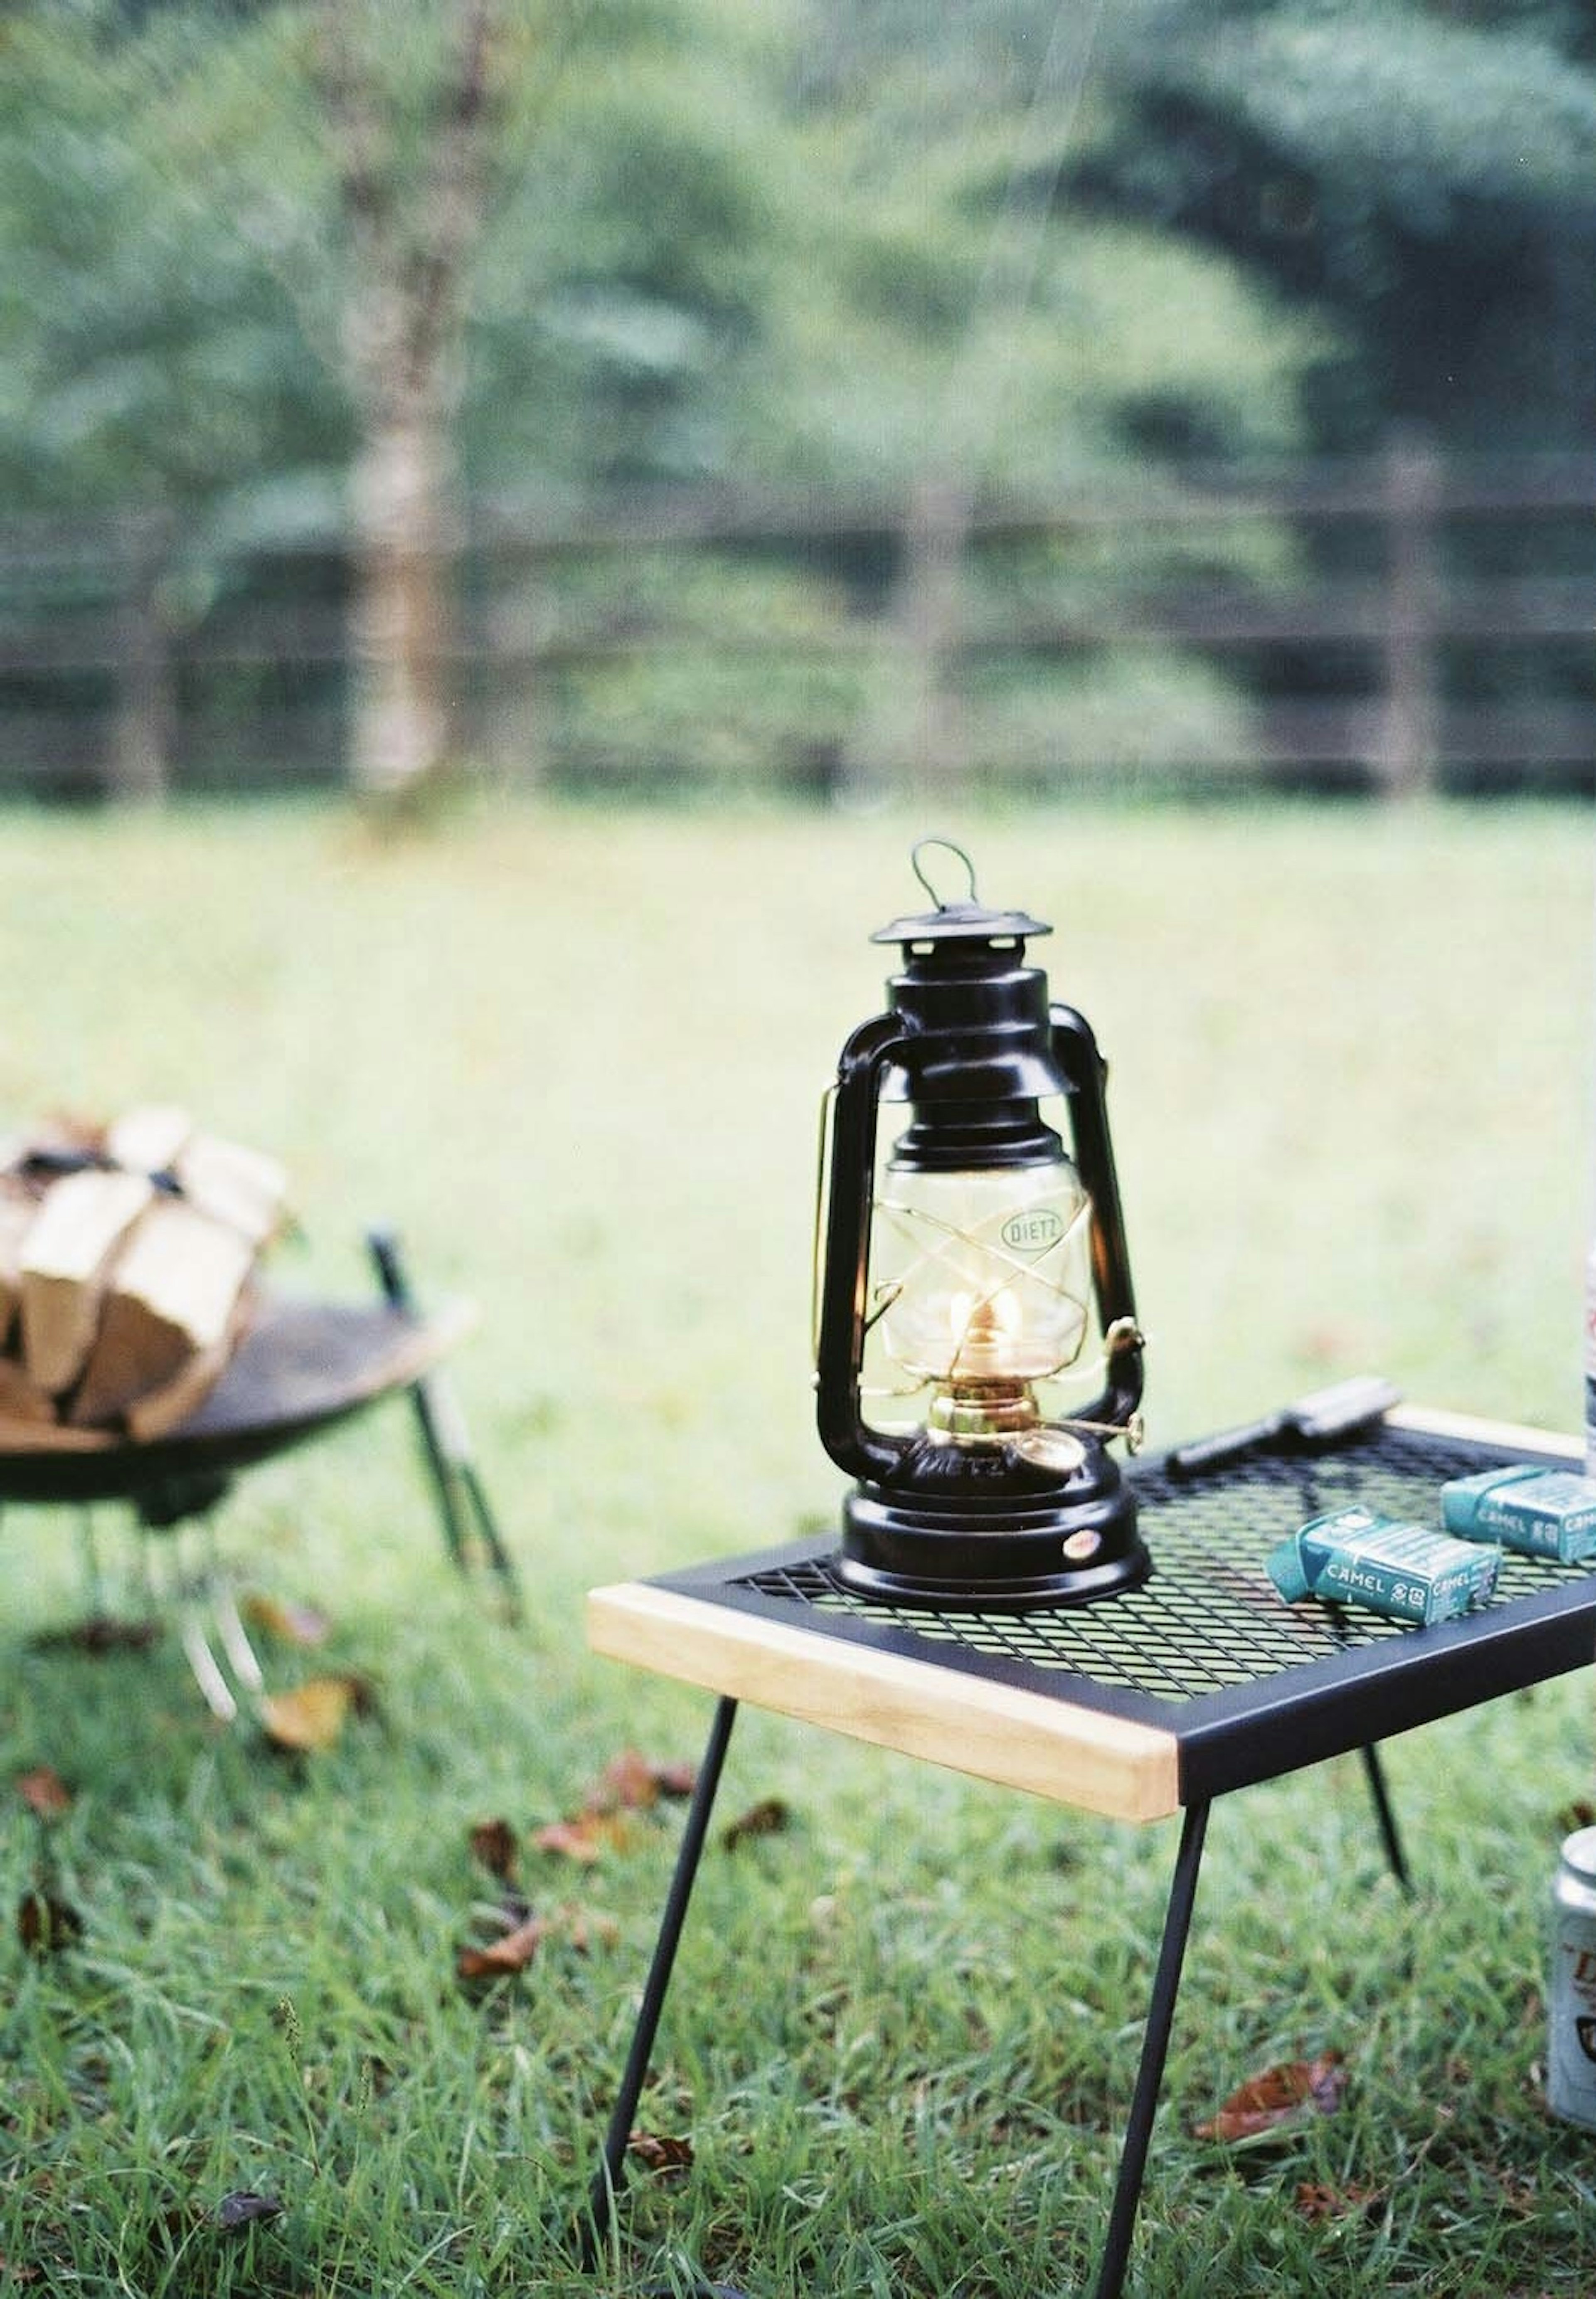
{"x": 969, "y": 1265}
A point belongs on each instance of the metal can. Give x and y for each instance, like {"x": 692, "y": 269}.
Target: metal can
{"x": 1571, "y": 1996}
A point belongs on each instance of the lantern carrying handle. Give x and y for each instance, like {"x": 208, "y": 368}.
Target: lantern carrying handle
{"x": 1076, "y": 1051}
{"x": 948, "y": 847}
{"x": 845, "y": 1244}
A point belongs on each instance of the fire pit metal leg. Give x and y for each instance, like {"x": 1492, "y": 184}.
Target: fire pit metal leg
{"x": 463, "y": 1501}
{"x": 1155, "y": 2045}
{"x": 612, "y": 2175}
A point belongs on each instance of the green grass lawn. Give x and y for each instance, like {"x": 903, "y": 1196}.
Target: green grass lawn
{"x": 575, "y": 1058}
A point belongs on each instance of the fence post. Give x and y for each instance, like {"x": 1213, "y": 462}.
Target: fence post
{"x": 143, "y": 708}
{"x": 1410, "y": 748}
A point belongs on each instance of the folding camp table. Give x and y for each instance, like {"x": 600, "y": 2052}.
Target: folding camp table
{"x": 1150, "y": 1703}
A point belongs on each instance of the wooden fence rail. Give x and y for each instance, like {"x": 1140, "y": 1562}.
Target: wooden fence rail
{"x": 1398, "y": 622}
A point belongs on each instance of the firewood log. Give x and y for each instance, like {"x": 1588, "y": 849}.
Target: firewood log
{"x": 234, "y": 1184}
{"x": 162, "y": 1410}
{"x": 17, "y": 1210}
{"x": 240, "y": 1186}
{"x": 147, "y": 1140}
{"x": 170, "y": 1295}
{"x": 67, "y": 1254}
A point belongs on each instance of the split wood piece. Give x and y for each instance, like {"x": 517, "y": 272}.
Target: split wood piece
{"x": 17, "y": 1210}
{"x": 147, "y": 1140}
{"x": 21, "y": 1401}
{"x": 166, "y": 1408}
{"x": 67, "y": 1254}
{"x": 171, "y": 1297}
{"x": 233, "y": 1183}
{"x": 240, "y": 1186}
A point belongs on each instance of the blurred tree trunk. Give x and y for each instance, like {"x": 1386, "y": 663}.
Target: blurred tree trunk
{"x": 401, "y": 501}
{"x": 410, "y": 134}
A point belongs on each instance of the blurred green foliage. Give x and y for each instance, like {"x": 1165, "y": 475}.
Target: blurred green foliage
{"x": 707, "y": 256}
{"x": 824, "y": 243}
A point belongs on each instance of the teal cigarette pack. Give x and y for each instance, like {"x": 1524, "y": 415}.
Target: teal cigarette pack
{"x": 1405, "y": 1570}
{"x": 1548, "y": 1513}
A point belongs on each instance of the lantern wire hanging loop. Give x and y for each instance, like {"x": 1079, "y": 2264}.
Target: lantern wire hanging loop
{"x": 949, "y": 846}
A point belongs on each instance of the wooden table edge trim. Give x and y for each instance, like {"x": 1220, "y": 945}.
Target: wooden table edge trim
{"x": 1106, "y": 1765}
{"x": 1434, "y": 1421}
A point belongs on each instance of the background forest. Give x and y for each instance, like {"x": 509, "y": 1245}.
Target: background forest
{"x": 371, "y": 287}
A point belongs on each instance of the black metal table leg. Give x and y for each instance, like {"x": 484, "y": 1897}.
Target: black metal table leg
{"x": 1155, "y": 2045}
{"x": 1385, "y": 1814}
{"x": 611, "y": 2174}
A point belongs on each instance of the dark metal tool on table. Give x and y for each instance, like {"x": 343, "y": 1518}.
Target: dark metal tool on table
{"x": 1327, "y": 1416}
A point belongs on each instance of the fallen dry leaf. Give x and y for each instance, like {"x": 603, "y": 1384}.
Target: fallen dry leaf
{"x": 243, "y": 2207}
{"x": 492, "y": 1842}
{"x": 676, "y": 1780}
{"x": 586, "y": 1838}
{"x": 583, "y": 1927}
{"x": 289, "y": 1624}
{"x": 1268, "y": 2100}
{"x": 512, "y": 1953}
{"x": 577, "y": 1927}
{"x": 45, "y": 1923}
{"x": 1316, "y": 2201}
{"x": 661, "y": 2154}
{"x": 627, "y": 1784}
{"x": 631, "y": 1781}
{"x": 100, "y": 1635}
{"x": 768, "y": 1817}
{"x": 44, "y": 1791}
{"x": 311, "y": 1717}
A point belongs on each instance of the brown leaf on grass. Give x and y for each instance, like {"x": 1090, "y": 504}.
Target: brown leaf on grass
{"x": 311, "y": 1717}
{"x": 289, "y": 1624}
{"x": 512, "y": 1953}
{"x": 662, "y": 2155}
{"x": 1316, "y": 2201}
{"x": 44, "y": 1791}
{"x": 631, "y": 1781}
{"x": 1268, "y": 2100}
{"x": 16, "y": 2271}
{"x": 769, "y": 1817}
{"x": 99, "y": 1635}
{"x": 45, "y": 1923}
{"x": 243, "y": 2207}
{"x": 583, "y": 1927}
{"x": 676, "y": 1780}
{"x": 577, "y": 1927}
{"x": 627, "y": 1784}
{"x": 492, "y": 1842}
{"x": 1580, "y": 1813}
{"x": 586, "y": 1838}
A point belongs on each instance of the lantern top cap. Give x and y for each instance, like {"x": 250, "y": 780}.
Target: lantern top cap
{"x": 967, "y": 920}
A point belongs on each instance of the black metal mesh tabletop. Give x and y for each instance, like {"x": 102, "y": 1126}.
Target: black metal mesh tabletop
{"x": 1205, "y": 1651}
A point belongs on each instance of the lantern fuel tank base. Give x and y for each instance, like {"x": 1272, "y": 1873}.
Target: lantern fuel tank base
{"x": 900, "y": 1550}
